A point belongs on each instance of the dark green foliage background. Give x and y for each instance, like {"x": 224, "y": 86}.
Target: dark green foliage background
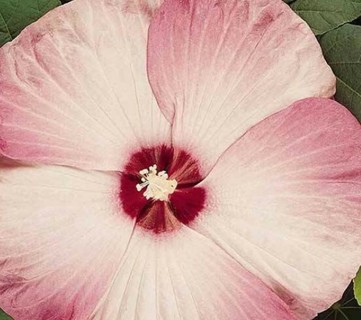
{"x": 337, "y": 25}
{"x": 17, "y": 14}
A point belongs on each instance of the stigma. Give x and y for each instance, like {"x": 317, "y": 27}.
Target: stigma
{"x": 156, "y": 184}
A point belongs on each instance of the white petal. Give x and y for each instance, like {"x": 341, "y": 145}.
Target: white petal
{"x": 74, "y": 88}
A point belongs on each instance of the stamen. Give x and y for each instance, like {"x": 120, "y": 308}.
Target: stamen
{"x": 157, "y": 184}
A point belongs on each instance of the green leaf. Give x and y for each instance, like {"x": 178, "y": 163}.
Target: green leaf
{"x": 357, "y": 287}
{"x": 342, "y": 50}
{"x": 15, "y": 15}
{"x": 4, "y": 316}
{"x": 325, "y": 15}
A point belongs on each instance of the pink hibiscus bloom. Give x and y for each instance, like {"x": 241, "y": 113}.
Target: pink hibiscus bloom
{"x": 169, "y": 164}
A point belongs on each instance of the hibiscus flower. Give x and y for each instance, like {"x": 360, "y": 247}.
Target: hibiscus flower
{"x": 170, "y": 162}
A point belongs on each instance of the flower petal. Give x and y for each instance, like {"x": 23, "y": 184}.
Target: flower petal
{"x": 66, "y": 253}
{"x": 62, "y": 237}
{"x": 185, "y": 276}
{"x": 74, "y": 87}
{"x": 284, "y": 201}
{"x": 219, "y": 67}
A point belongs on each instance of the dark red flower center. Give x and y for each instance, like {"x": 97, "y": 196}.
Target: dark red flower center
{"x": 179, "y": 206}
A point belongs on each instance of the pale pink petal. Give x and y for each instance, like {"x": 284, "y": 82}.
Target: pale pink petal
{"x": 183, "y": 275}
{"x": 219, "y": 67}
{"x": 74, "y": 87}
{"x": 66, "y": 252}
{"x": 62, "y": 237}
{"x": 285, "y": 202}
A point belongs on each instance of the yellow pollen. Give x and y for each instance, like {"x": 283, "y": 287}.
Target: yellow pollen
{"x": 157, "y": 185}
